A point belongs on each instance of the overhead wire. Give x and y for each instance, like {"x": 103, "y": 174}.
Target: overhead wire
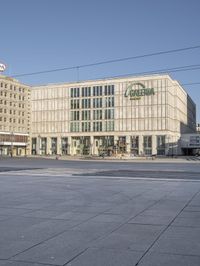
{"x": 108, "y": 61}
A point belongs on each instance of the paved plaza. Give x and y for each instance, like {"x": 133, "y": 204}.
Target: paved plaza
{"x": 80, "y": 214}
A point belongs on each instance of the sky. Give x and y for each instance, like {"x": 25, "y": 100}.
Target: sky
{"x": 37, "y": 35}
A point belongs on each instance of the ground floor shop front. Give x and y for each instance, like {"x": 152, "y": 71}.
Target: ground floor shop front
{"x": 13, "y": 144}
{"x": 108, "y": 145}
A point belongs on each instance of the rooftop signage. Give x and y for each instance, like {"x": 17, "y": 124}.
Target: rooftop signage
{"x": 136, "y": 90}
{"x": 2, "y": 67}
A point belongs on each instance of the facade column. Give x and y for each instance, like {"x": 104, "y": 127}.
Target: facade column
{"x": 38, "y": 144}
{"x": 59, "y": 145}
{"x": 128, "y": 144}
{"x": 92, "y": 145}
{"x": 167, "y": 145}
{"x": 141, "y": 146}
{"x": 154, "y": 144}
{"x": 48, "y": 145}
{"x": 69, "y": 148}
{"x": 116, "y": 138}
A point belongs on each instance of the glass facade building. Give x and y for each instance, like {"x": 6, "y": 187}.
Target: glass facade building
{"x": 134, "y": 115}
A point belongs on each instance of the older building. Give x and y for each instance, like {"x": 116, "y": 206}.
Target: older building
{"x": 14, "y": 117}
{"x": 136, "y": 115}
{"x": 198, "y": 128}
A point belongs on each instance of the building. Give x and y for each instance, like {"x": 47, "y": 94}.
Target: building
{"x": 190, "y": 143}
{"x": 14, "y": 117}
{"x": 143, "y": 115}
{"x": 198, "y": 128}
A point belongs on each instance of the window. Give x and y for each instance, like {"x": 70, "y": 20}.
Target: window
{"x": 147, "y": 141}
{"x": 161, "y": 145}
{"x": 53, "y": 146}
{"x": 75, "y": 92}
{"x": 109, "y": 101}
{"x": 75, "y": 115}
{"x": 85, "y": 126}
{"x": 86, "y": 91}
{"x": 109, "y": 114}
{"x": 97, "y": 114}
{"x": 75, "y": 104}
{"x": 86, "y": 103}
{"x": 97, "y": 103}
{"x": 97, "y": 91}
{"x": 97, "y": 126}
{"x": 109, "y": 126}
{"x": 74, "y": 127}
{"x": 109, "y": 90}
{"x": 86, "y": 115}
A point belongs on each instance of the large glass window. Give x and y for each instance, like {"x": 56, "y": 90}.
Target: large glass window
{"x": 109, "y": 101}
{"x": 75, "y": 92}
{"x": 43, "y": 146}
{"x": 86, "y": 103}
{"x": 64, "y": 145}
{"x": 97, "y": 114}
{"x": 53, "y": 146}
{"x": 161, "y": 145}
{"x": 86, "y": 115}
{"x": 135, "y": 145}
{"x": 147, "y": 141}
{"x": 74, "y": 127}
{"x": 97, "y": 102}
{"x": 109, "y": 125}
{"x": 75, "y": 115}
{"x": 86, "y": 91}
{"x": 97, "y": 126}
{"x": 97, "y": 91}
{"x": 109, "y": 90}
{"x": 75, "y": 104}
{"x": 109, "y": 114}
{"x": 34, "y": 146}
{"x": 85, "y": 126}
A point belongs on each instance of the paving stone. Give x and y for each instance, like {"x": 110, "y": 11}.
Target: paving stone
{"x": 154, "y": 220}
{"x": 192, "y": 208}
{"x": 20, "y": 263}
{"x": 97, "y": 229}
{"x": 161, "y": 212}
{"x": 43, "y": 214}
{"x": 11, "y": 248}
{"x": 187, "y": 221}
{"x": 130, "y": 236}
{"x": 179, "y": 240}
{"x": 76, "y": 216}
{"x": 58, "y": 250}
{"x": 12, "y": 211}
{"x": 106, "y": 217}
{"x": 158, "y": 259}
{"x": 4, "y": 217}
{"x": 102, "y": 257}
{"x": 185, "y": 214}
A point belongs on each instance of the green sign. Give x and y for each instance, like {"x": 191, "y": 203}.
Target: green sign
{"x": 136, "y": 90}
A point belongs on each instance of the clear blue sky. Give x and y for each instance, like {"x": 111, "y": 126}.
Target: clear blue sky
{"x": 45, "y": 34}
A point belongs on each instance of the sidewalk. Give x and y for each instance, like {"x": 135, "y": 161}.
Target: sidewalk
{"x": 48, "y": 219}
{"x": 177, "y": 159}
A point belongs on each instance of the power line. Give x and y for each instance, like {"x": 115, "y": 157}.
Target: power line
{"x": 158, "y": 71}
{"x": 108, "y": 61}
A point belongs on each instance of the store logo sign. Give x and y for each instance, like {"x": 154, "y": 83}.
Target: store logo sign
{"x": 2, "y": 67}
{"x": 135, "y": 91}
